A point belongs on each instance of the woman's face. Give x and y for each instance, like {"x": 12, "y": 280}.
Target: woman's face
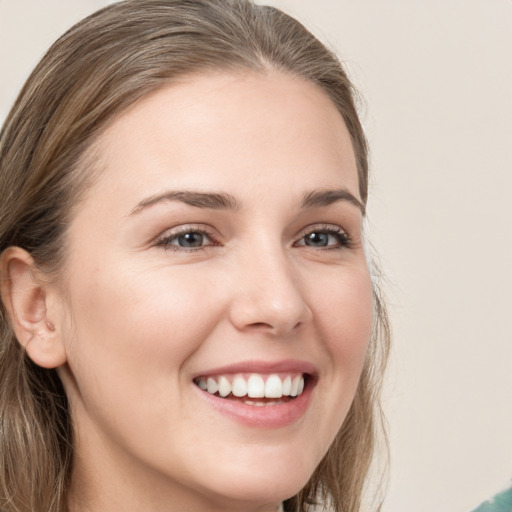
{"x": 220, "y": 248}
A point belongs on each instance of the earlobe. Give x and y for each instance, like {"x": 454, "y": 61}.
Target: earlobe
{"x": 26, "y": 300}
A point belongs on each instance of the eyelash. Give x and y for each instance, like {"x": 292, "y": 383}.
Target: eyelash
{"x": 342, "y": 238}
{"x": 167, "y": 241}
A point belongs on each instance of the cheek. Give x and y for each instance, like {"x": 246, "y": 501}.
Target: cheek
{"x": 139, "y": 309}
{"x": 345, "y": 313}
{"x": 343, "y": 322}
{"x": 133, "y": 330}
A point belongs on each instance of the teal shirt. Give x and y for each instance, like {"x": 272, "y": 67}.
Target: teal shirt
{"x": 502, "y": 502}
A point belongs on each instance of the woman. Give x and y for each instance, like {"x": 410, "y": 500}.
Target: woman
{"x": 188, "y": 318}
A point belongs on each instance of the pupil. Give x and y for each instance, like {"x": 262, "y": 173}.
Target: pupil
{"x": 317, "y": 239}
{"x": 190, "y": 240}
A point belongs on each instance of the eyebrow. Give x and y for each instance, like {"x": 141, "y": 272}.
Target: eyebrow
{"x": 319, "y": 198}
{"x": 214, "y": 201}
{"x": 223, "y": 201}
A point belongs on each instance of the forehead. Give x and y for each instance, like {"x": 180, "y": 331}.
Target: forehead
{"x": 221, "y": 129}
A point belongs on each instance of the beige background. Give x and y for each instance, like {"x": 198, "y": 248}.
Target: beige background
{"x": 437, "y": 79}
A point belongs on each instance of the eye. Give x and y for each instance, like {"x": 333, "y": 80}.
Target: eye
{"x": 186, "y": 239}
{"x": 330, "y": 237}
{"x": 191, "y": 239}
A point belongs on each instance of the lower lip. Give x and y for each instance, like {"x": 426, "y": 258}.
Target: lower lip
{"x": 266, "y": 416}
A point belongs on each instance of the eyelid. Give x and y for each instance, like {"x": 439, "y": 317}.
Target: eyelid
{"x": 165, "y": 238}
{"x": 344, "y": 238}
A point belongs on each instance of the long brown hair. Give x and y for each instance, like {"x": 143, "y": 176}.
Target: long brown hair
{"x": 89, "y": 76}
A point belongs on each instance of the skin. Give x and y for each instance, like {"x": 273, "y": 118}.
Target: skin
{"x": 135, "y": 320}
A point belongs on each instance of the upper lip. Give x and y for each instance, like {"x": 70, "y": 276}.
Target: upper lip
{"x": 264, "y": 367}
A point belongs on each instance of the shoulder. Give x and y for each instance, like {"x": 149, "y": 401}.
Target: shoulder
{"x": 501, "y": 502}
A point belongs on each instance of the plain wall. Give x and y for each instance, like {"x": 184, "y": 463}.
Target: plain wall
{"x": 437, "y": 81}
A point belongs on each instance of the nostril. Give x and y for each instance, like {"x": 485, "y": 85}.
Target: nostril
{"x": 260, "y": 325}
{"x": 277, "y": 329}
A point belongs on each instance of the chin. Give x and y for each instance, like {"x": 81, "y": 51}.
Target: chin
{"x": 257, "y": 481}
{"x": 241, "y": 493}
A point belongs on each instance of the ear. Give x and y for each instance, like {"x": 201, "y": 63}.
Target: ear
{"x": 32, "y": 313}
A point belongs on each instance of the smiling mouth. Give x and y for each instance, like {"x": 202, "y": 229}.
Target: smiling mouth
{"x": 255, "y": 388}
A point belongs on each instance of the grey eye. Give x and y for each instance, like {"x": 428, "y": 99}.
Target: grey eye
{"x": 191, "y": 239}
{"x": 318, "y": 239}
{"x": 329, "y": 238}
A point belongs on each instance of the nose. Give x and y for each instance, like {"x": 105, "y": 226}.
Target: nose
{"x": 268, "y": 297}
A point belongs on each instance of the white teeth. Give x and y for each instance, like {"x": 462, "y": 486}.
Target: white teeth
{"x": 301, "y": 386}
{"x": 287, "y": 386}
{"x": 239, "y": 386}
{"x": 295, "y": 386}
{"x": 212, "y": 386}
{"x": 255, "y": 386}
{"x": 273, "y": 387}
{"x": 224, "y": 387}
